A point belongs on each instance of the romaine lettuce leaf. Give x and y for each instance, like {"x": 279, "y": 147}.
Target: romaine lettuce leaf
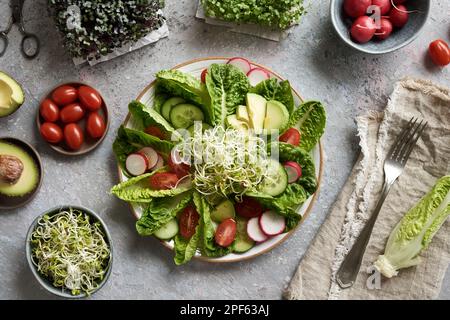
{"x": 272, "y": 89}
{"x": 207, "y": 244}
{"x": 137, "y": 189}
{"x": 149, "y": 117}
{"x": 185, "y": 249}
{"x": 309, "y": 118}
{"x": 177, "y": 83}
{"x": 415, "y": 230}
{"x": 160, "y": 211}
{"x": 227, "y": 87}
{"x": 159, "y": 100}
{"x": 129, "y": 141}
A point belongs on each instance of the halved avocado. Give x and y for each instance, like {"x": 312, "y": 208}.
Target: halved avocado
{"x": 11, "y": 95}
{"x": 30, "y": 175}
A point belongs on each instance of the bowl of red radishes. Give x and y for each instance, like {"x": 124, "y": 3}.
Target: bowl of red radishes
{"x": 379, "y": 26}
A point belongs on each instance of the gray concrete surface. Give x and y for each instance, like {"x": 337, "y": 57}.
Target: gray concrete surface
{"x": 312, "y": 58}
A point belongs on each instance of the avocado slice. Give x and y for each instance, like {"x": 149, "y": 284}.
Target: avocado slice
{"x": 11, "y": 95}
{"x": 232, "y": 122}
{"x": 29, "y": 178}
{"x": 256, "y": 108}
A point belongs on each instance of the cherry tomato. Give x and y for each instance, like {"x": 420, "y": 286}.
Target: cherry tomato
{"x": 188, "y": 222}
{"x": 385, "y": 5}
{"x": 95, "y": 125}
{"x": 51, "y": 132}
{"x": 356, "y": 8}
{"x": 291, "y": 136}
{"x": 248, "y": 208}
{"x": 73, "y": 136}
{"x": 90, "y": 98}
{"x": 385, "y": 29}
{"x": 64, "y": 95}
{"x": 363, "y": 29}
{"x": 180, "y": 169}
{"x": 226, "y": 232}
{"x": 72, "y": 113}
{"x": 439, "y": 52}
{"x": 155, "y": 131}
{"x": 203, "y": 76}
{"x": 49, "y": 111}
{"x": 163, "y": 181}
{"x": 399, "y": 16}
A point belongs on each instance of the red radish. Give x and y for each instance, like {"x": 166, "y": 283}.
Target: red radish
{"x": 363, "y": 29}
{"x": 294, "y": 171}
{"x": 271, "y": 223}
{"x": 257, "y": 75}
{"x": 203, "y": 75}
{"x": 254, "y": 231}
{"x": 356, "y": 8}
{"x": 399, "y": 1}
{"x": 385, "y": 5}
{"x": 136, "y": 164}
{"x": 159, "y": 164}
{"x": 399, "y": 16}
{"x": 385, "y": 29}
{"x": 151, "y": 155}
{"x": 240, "y": 63}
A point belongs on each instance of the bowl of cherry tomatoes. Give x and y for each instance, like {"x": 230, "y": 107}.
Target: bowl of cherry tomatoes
{"x": 379, "y": 26}
{"x": 73, "y": 118}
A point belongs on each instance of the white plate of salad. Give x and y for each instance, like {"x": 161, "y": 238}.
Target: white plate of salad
{"x": 220, "y": 159}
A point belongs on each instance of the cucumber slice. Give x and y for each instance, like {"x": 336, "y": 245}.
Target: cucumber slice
{"x": 276, "y": 179}
{"x": 167, "y": 231}
{"x": 243, "y": 243}
{"x": 205, "y": 126}
{"x": 168, "y": 105}
{"x": 184, "y": 115}
{"x": 223, "y": 211}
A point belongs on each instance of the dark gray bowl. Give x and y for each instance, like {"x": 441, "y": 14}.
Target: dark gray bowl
{"x": 45, "y": 282}
{"x": 399, "y": 37}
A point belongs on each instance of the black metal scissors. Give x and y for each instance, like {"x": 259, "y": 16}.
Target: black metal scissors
{"x": 30, "y": 44}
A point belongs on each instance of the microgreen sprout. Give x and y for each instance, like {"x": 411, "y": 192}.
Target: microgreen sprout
{"x": 70, "y": 251}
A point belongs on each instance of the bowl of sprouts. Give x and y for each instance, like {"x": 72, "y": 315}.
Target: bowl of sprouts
{"x": 69, "y": 251}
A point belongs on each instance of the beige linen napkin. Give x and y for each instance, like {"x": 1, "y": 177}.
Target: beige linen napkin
{"x": 315, "y": 277}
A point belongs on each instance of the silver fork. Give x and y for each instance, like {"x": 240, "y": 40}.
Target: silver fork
{"x": 393, "y": 167}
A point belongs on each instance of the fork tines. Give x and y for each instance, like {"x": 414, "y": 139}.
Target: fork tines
{"x": 406, "y": 141}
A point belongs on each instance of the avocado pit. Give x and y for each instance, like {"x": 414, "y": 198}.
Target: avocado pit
{"x": 11, "y": 169}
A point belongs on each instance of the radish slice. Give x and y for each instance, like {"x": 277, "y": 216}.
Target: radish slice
{"x": 159, "y": 164}
{"x": 257, "y": 75}
{"x": 136, "y": 164}
{"x": 271, "y": 223}
{"x": 254, "y": 231}
{"x": 240, "y": 63}
{"x": 151, "y": 155}
{"x": 294, "y": 171}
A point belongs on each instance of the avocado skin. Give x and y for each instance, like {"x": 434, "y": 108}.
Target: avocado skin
{"x": 18, "y": 93}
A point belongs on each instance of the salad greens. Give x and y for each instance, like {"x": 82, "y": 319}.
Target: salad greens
{"x": 415, "y": 230}
{"x": 227, "y": 85}
{"x": 160, "y": 211}
{"x": 218, "y": 158}
{"x": 273, "y": 13}
{"x": 272, "y": 89}
{"x": 70, "y": 251}
{"x": 309, "y": 118}
{"x": 137, "y": 189}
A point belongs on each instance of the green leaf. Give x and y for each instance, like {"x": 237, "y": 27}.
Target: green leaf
{"x": 310, "y": 119}
{"x": 130, "y": 140}
{"x": 160, "y": 211}
{"x": 185, "y": 249}
{"x": 208, "y": 245}
{"x": 177, "y": 83}
{"x": 159, "y": 100}
{"x": 272, "y": 89}
{"x": 149, "y": 117}
{"x": 227, "y": 87}
{"x": 137, "y": 189}
{"x": 416, "y": 229}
